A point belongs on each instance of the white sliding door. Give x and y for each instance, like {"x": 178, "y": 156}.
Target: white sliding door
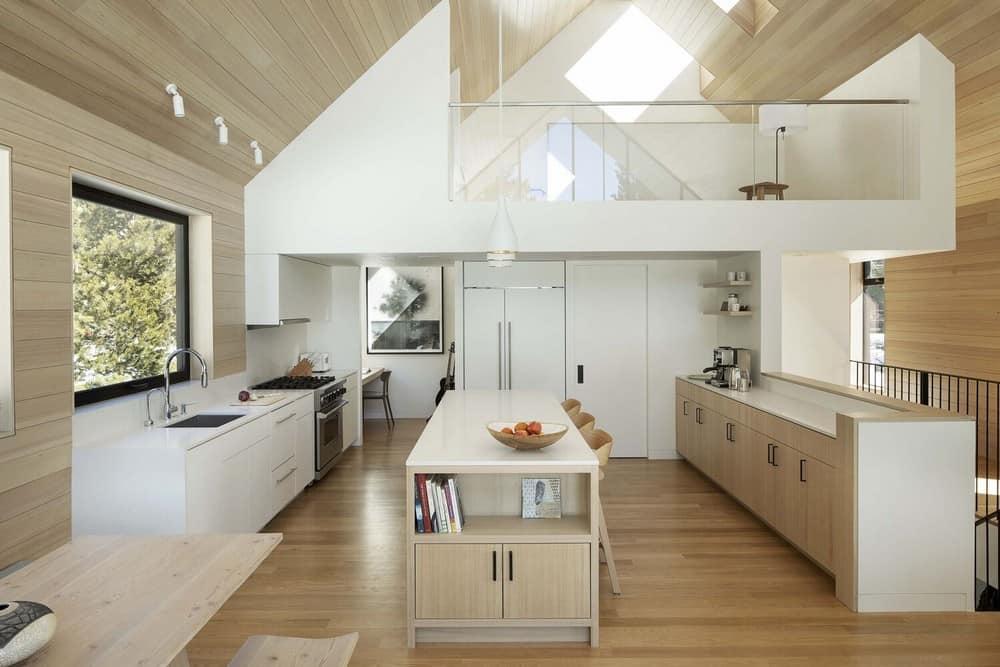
{"x": 606, "y": 369}
{"x": 483, "y": 339}
{"x": 536, "y": 339}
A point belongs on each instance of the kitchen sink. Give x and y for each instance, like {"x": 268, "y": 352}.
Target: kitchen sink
{"x": 206, "y": 420}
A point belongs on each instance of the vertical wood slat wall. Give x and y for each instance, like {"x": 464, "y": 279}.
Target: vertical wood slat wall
{"x": 48, "y": 138}
{"x": 943, "y": 309}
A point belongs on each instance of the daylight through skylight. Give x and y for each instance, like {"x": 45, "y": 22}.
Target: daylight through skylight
{"x": 635, "y": 60}
{"x": 726, "y": 5}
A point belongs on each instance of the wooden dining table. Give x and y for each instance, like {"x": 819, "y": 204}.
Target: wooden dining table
{"x": 134, "y": 600}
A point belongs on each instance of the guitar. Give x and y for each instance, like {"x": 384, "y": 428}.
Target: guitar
{"x": 448, "y": 381}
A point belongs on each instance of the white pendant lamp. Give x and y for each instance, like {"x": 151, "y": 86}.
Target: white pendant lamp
{"x": 502, "y": 242}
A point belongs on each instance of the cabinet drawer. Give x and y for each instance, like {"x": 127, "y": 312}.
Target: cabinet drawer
{"x": 283, "y": 433}
{"x": 283, "y": 485}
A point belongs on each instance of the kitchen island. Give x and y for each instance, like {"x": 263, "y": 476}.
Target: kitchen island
{"x": 503, "y": 577}
{"x": 878, "y": 492}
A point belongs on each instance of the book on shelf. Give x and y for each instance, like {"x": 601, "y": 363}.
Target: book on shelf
{"x": 438, "y": 504}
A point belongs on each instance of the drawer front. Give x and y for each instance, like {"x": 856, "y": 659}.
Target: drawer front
{"x": 283, "y": 433}
{"x": 283, "y": 485}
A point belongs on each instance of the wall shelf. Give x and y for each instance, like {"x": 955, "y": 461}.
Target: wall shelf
{"x": 729, "y": 283}
{"x": 727, "y": 313}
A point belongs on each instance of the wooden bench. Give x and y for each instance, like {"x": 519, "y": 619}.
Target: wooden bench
{"x": 271, "y": 651}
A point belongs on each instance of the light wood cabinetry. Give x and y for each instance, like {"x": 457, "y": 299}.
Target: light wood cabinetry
{"x": 777, "y": 469}
{"x": 546, "y": 581}
{"x": 458, "y": 581}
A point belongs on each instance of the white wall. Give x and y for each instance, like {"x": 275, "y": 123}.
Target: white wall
{"x": 816, "y": 316}
{"x": 415, "y": 377}
{"x": 744, "y": 331}
{"x": 272, "y": 352}
{"x": 341, "y": 335}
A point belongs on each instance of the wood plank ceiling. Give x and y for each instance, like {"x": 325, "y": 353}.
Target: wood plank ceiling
{"x": 269, "y": 67}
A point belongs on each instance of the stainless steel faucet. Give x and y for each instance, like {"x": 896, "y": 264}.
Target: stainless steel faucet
{"x": 168, "y": 408}
{"x": 149, "y": 413}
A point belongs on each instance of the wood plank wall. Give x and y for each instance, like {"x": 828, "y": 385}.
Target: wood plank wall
{"x": 48, "y": 138}
{"x": 943, "y": 309}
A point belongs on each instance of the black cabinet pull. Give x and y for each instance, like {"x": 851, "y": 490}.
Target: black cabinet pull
{"x": 685, "y": 408}
{"x": 697, "y": 416}
{"x": 774, "y": 456}
{"x": 802, "y": 470}
{"x": 510, "y": 565}
{"x": 494, "y": 565}
{"x": 579, "y": 373}
{"x": 770, "y": 453}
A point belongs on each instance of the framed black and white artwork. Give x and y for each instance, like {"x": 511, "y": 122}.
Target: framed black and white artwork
{"x": 404, "y": 307}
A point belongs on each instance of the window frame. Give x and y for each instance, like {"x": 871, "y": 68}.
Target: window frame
{"x": 867, "y": 282}
{"x": 183, "y": 372}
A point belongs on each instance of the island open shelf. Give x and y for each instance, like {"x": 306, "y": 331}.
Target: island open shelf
{"x": 503, "y": 577}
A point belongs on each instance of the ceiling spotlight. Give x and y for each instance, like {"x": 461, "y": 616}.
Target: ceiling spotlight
{"x": 258, "y": 155}
{"x": 178, "y": 100}
{"x": 223, "y": 130}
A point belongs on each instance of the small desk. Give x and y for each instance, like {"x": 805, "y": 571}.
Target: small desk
{"x": 134, "y": 600}
{"x": 369, "y": 375}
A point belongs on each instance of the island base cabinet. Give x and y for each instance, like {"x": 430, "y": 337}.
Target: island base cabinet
{"x": 459, "y": 581}
{"x": 502, "y": 581}
{"x": 546, "y": 581}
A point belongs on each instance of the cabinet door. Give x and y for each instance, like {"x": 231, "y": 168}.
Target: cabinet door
{"x": 737, "y": 441}
{"x": 305, "y": 449}
{"x": 696, "y": 435}
{"x": 819, "y": 482}
{"x": 684, "y": 412}
{"x": 482, "y": 339}
{"x": 712, "y": 430}
{"x": 536, "y": 340}
{"x": 458, "y": 580}
{"x": 350, "y": 411}
{"x": 546, "y": 581}
{"x": 756, "y": 469}
{"x": 787, "y": 495}
{"x": 257, "y": 481}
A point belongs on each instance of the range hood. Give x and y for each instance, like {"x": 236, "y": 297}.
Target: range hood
{"x": 283, "y": 290}
{"x": 281, "y": 323}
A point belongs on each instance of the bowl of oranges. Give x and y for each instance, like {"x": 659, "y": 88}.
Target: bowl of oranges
{"x": 526, "y": 435}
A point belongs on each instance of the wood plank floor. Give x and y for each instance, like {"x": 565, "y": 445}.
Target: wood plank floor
{"x": 704, "y": 583}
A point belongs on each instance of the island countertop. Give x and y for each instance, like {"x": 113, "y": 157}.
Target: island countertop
{"x": 456, "y": 439}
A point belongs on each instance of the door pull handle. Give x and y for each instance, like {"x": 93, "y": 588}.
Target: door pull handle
{"x": 770, "y": 453}
{"x": 685, "y": 409}
{"x": 510, "y": 565}
{"x": 494, "y": 565}
{"x": 802, "y": 470}
{"x": 579, "y": 375}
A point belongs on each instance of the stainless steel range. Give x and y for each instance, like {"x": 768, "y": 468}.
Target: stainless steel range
{"x": 328, "y": 402}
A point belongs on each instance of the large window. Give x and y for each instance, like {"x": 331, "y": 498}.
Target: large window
{"x": 873, "y": 274}
{"x": 129, "y": 294}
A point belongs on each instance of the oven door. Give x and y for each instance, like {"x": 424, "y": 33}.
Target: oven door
{"x": 329, "y": 437}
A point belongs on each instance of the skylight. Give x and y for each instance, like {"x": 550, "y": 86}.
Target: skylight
{"x": 635, "y": 60}
{"x": 726, "y": 5}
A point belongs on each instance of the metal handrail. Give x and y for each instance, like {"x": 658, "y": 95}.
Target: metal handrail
{"x": 670, "y": 103}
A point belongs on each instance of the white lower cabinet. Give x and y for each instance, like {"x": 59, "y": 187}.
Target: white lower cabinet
{"x": 350, "y": 418}
{"x": 305, "y": 448}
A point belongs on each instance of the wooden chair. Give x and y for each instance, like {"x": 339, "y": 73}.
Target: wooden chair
{"x": 271, "y": 651}
{"x": 601, "y": 442}
{"x": 571, "y": 406}
{"x": 382, "y": 396}
{"x": 584, "y": 421}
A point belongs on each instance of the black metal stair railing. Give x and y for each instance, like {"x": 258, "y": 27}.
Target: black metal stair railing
{"x": 976, "y": 397}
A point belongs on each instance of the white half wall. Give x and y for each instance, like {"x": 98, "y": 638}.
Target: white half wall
{"x": 816, "y": 316}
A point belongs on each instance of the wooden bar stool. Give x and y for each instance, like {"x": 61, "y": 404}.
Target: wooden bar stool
{"x": 584, "y": 421}
{"x": 382, "y": 396}
{"x": 271, "y": 651}
{"x": 571, "y": 406}
{"x": 601, "y": 442}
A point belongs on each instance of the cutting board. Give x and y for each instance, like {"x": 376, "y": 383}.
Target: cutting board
{"x": 264, "y": 399}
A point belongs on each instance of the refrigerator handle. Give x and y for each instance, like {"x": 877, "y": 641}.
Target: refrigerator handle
{"x": 499, "y": 355}
{"x": 510, "y": 379}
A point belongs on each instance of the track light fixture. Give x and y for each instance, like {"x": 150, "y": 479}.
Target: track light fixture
{"x": 223, "y": 130}
{"x": 178, "y": 100}
{"x": 258, "y": 155}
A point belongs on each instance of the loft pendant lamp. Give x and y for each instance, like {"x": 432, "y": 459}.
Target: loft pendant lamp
{"x": 501, "y": 245}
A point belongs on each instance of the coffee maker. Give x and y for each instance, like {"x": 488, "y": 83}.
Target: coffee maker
{"x": 730, "y": 368}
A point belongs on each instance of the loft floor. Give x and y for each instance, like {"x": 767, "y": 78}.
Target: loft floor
{"x": 704, "y": 583}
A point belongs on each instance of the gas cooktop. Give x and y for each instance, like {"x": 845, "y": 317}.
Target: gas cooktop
{"x": 296, "y": 382}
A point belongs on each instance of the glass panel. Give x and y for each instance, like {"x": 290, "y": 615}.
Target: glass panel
{"x": 874, "y": 323}
{"x": 875, "y": 269}
{"x": 125, "y": 288}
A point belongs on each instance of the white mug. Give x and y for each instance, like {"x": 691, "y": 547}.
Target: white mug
{"x": 741, "y": 275}
{"x": 731, "y": 275}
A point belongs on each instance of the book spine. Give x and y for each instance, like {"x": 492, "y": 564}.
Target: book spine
{"x": 422, "y": 485}
{"x": 442, "y": 507}
{"x": 453, "y": 489}
{"x": 446, "y": 485}
{"x": 418, "y": 509}
{"x": 432, "y": 494}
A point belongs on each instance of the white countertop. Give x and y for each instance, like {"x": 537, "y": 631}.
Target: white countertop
{"x": 811, "y": 415}
{"x": 456, "y": 435}
{"x": 159, "y": 437}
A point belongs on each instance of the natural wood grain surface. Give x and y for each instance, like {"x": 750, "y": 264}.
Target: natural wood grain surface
{"x": 49, "y": 139}
{"x": 704, "y": 583}
{"x": 269, "y": 651}
{"x": 134, "y": 600}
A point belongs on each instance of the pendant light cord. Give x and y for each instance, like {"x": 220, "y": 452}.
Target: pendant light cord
{"x": 500, "y": 98}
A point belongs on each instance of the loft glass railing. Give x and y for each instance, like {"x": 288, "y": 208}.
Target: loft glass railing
{"x": 680, "y": 150}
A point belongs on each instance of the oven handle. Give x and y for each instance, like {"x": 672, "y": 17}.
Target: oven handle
{"x": 323, "y": 416}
